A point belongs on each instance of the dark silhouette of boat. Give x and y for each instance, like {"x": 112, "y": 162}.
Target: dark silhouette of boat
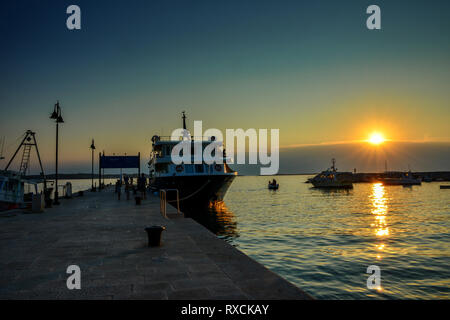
{"x": 198, "y": 184}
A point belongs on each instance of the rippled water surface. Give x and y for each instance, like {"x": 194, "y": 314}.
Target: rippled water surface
{"x": 323, "y": 241}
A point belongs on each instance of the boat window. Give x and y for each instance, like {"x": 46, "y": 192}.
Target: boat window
{"x": 199, "y": 168}
{"x": 167, "y": 151}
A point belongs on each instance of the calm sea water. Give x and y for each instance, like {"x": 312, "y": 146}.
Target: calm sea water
{"x": 323, "y": 241}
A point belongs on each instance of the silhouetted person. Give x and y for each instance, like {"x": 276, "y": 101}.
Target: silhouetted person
{"x": 142, "y": 182}
{"x": 127, "y": 189}
{"x": 118, "y": 188}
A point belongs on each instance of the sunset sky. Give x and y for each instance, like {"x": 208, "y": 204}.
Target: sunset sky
{"x": 311, "y": 69}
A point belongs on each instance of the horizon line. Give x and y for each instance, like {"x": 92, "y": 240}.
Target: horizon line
{"x": 434, "y": 140}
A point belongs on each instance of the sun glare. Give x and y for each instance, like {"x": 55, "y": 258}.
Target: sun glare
{"x": 376, "y": 138}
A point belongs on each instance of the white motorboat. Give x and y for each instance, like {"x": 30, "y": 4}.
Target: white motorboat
{"x": 331, "y": 178}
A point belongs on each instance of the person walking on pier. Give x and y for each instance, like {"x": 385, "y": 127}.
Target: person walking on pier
{"x": 127, "y": 189}
{"x": 118, "y": 188}
{"x": 142, "y": 183}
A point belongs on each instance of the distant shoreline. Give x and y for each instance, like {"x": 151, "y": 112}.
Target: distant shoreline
{"x": 435, "y": 175}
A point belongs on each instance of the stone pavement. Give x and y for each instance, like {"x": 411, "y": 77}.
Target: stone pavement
{"x": 105, "y": 237}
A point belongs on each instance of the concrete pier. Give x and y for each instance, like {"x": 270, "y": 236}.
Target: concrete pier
{"x": 105, "y": 237}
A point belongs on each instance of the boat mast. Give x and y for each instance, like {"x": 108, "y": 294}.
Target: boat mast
{"x": 184, "y": 120}
{"x": 333, "y": 166}
{"x": 186, "y": 134}
{"x": 1, "y": 152}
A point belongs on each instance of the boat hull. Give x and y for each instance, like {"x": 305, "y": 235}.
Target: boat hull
{"x": 332, "y": 184}
{"x": 400, "y": 182}
{"x": 194, "y": 191}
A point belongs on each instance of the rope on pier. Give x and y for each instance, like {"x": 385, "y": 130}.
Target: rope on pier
{"x": 192, "y": 194}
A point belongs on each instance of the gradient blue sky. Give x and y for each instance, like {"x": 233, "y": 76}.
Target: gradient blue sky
{"x": 311, "y": 69}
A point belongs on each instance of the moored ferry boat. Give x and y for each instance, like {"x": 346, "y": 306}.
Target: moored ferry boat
{"x": 199, "y": 184}
{"x": 331, "y": 178}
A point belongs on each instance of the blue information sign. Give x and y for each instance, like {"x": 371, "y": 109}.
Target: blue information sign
{"x": 116, "y": 162}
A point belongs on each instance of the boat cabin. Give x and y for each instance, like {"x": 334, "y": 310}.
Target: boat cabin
{"x": 11, "y": 188}
{"x": 161, "y": 161}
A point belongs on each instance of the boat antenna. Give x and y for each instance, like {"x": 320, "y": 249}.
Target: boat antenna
{"x": 1, "y": 152}
{"x": 333, "y": 167}
{"x": 184, "y": 120}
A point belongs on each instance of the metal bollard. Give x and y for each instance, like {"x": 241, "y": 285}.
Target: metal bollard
{"x": 154, "y": 234}
{"x": 138, "y": 201}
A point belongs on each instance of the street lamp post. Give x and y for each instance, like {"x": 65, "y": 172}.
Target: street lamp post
{"x": 92, "y": 147}
{"x": 56, "y": 115}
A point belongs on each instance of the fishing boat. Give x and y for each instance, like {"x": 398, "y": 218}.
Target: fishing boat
{"x": 11, "y": 190}
{"x": 333, "y": 179}
{"x": 12, "y": 183}
{"x": 198, "y": 184}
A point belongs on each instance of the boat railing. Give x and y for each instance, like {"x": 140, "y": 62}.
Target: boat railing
{"x": 192, "y": 138}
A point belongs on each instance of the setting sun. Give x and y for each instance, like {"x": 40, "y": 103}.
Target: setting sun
{"x": 376, "y": 138}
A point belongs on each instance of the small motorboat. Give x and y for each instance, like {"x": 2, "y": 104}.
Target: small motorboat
{"x": 406, "y": 179}
{"x": 273, "y": 186}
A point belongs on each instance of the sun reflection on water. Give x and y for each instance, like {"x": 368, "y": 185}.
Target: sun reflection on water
{"x": 379, "y": 209}
{"x": 218, "y": 219}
